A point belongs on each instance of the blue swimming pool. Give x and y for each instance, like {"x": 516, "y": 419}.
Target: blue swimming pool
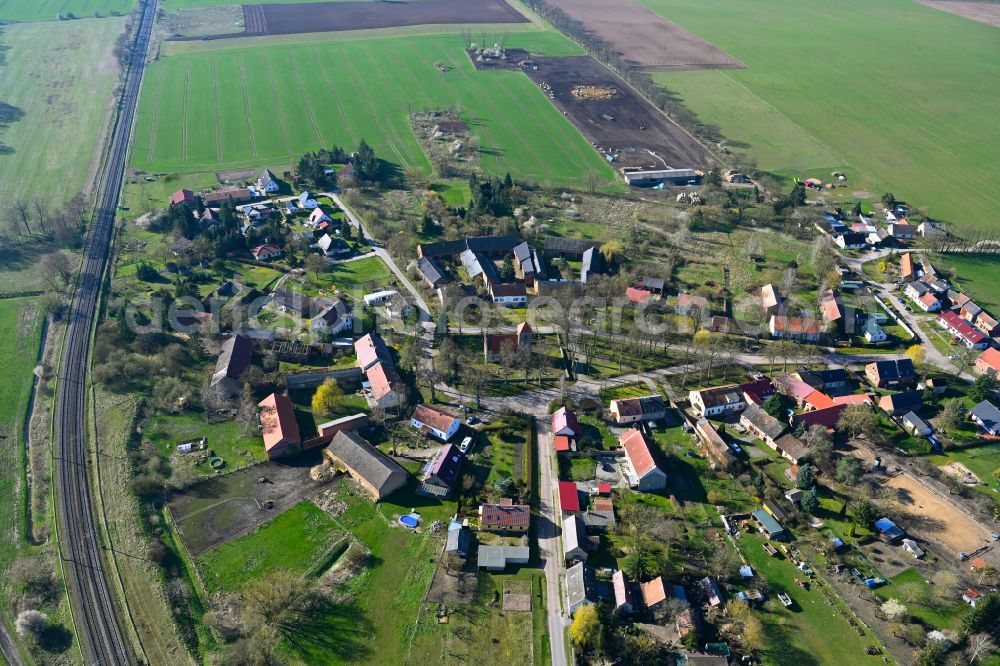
{"x": 409, "y": 521}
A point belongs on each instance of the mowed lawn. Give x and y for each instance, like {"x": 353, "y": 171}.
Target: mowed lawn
{"x": 60, "y": 76}
{"x": 246, "y": 107}
{"x": 294, "y": 541}
{"x": 48, "y": 10}
{"x": 901, "y": 92}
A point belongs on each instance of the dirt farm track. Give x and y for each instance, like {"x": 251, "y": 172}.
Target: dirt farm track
{"x": 646, "y": 40}
{"x": 286, "y": 19}
{"x": 620, "y": 123}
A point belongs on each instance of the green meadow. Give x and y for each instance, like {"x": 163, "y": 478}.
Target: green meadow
{"x": 58, "y": 76}
{"x": 901, "y": 96}
{"x": 49, "y": 10}
{"x": 240, "y": 107}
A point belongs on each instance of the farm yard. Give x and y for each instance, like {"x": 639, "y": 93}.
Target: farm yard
{"x": 215, "y": 511}
{"x": 811, "y": 64}
{"x": 48, "y": 10}
{"x": 621, "y": 120}
{"x": 240, "y": 108}
{"x": 58, "y": 78}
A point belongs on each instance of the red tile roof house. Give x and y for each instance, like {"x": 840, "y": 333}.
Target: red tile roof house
{"x": 265, "y": 252}
{"x": 505, "y": 517}
{"x": 989, "y": 361}
{"x": 906, "y": 272}
{"x": 686, "y": 303}
{"x": 370, "y": 349}
{"x": 828, "y": 417}
{"x": 278, "y": 425}
{"x": 795, "y": 328}
{"x": 185, "y": 198}
{"x": 427, "y": 419}
{"x": 569, "y": 497}
{"x": 963, "y": 331}
{"x": 636, "y": 295}
{"x": 758, "y": 391}
{"x": 833, "y": 310}
{"x": 494, "y": 345}
{"x": 441, "y": 472}
{"x": 641, "y": 469}
{"x": 387, "y": 388}
{"x": 971, "y": 596}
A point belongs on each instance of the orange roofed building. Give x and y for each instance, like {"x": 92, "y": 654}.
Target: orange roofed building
{"x": 278, "y": 425}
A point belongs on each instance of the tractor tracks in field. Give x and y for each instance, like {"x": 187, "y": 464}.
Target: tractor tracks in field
{"x": 371, "y": 108}
{"x": 215, "y": 108}
{"x": 184, "y": 115}
{"x": 308, "y": 102}
{"x": 246, "y": 106}
{"x": 277, "y": 105}
{"x": 333, "y": 93}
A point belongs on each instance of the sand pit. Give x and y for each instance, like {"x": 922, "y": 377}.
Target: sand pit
{"x": 960, "y": 472}
{"x": 933, "y": 517}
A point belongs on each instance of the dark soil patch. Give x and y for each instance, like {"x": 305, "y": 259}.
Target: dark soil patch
{"x": 626, "y": 126}
{"x": 648, "y": 41}
{"x": 218, "y": 510}
{"x": 287, "y": 19}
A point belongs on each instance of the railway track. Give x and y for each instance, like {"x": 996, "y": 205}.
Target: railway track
{"x": 101, "y": 638}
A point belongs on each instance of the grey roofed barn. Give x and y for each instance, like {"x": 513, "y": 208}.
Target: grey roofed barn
{"x": 378, "y": 469}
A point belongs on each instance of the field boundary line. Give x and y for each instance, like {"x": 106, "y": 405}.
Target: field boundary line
{"x": 567, "y": 143}
{"x": 277, "y": 105}
{"x": 184, "y": 115}
{"x": 156, "y": 109}
{"x": 336, "y": 100}
{"x": 368, "y": 102}
{"x": 215, "y": 105}
{"x": 308, "y": 101}
{"x": 246, "y": 107}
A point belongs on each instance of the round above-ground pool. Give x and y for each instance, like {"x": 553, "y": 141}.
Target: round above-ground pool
{"x": 410, "y": 520}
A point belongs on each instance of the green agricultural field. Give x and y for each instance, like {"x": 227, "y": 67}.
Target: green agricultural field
{"x": 892, "y": 89}
{"x": 294, "y": 541}
{"x": 977, "y": 275}
{"x": 172, "y": 5}
{"x": 49, "y": 10}
{"x": 58, "y": 77}
{"x": 236, "y": 107}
